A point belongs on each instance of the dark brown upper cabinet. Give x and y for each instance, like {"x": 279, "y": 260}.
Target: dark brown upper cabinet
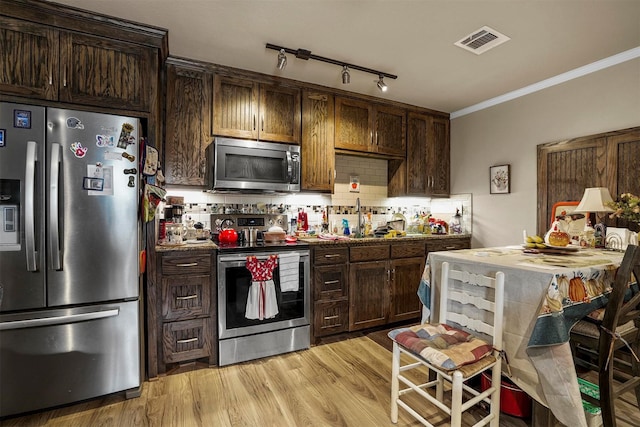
{"x": 425, "y": 172}
{"x": 317, "y": 152}
{"x": 47, "y": 63}
{"x": 249, "y": 109}
{"x": 187, "y": 123}
{"x": 366, "y": 127}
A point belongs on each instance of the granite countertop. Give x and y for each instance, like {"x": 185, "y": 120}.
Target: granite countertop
{"x": 372, "y": 240}
{"x": 188, "y": 246}
{"x": 210, "y": 245}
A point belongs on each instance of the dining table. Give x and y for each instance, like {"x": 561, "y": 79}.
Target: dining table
{"x": 546, "y": 293}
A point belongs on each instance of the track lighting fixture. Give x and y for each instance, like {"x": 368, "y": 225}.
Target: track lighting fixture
{"x": 346, "y": 75}
{"x": 381, "y": 84}
{"x": 282, "y": 60}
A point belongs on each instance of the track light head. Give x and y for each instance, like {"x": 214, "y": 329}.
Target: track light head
{"x": 381, "y": 84}
{"x": 346, "y": 77}
{"x": 282, "y": 60}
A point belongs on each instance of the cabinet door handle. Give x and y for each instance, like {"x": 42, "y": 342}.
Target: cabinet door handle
{"x": 262, "y": 124}
{"x": 64, "y": 77}
{"x": 187, "y": 340}
{"x": 188, "y": 264}
{"x": 377, "y": 140}
{"x": 330, "y": 317}
{"x": 450, "y": 247}
{"x": 371, "y": 137}
{"x": 332, "y": 256}
{"x": 254, "y": 122}
{"x": 50, "y": 78}
{"x": 186, "y": 297}
{"x": 331, "y": 282}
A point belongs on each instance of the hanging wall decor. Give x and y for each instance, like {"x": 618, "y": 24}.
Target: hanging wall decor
{"x": 499, "y": 179}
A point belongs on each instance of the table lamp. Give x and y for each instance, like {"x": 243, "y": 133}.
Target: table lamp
{"x": 594, "y": 200}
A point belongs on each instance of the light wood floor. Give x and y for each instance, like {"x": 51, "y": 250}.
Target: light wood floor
{"x": 345, "y": 383}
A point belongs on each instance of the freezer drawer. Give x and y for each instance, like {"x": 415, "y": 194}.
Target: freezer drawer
{"x": 55, "y": 357}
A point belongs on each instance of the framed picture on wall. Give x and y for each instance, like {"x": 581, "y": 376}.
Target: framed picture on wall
{"x": 499, "y": 179}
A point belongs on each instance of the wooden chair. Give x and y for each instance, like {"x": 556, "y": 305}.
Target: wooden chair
{"x": 467, "y": 302}
{"x": 596, "y": 348}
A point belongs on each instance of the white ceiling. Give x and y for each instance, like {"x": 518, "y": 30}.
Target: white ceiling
{"x": 413, "y": 39}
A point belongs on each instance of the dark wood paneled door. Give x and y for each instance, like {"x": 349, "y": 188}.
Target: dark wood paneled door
{"x": 105, "y": 72}
{"x": 318, "y": 158}
{"x": 188, "y": 124}
{"x": 368, "y": 294}
{"x": 30, "y": 59}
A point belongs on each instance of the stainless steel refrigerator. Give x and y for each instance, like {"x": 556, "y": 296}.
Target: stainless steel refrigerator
{"x": 69, "y": 251}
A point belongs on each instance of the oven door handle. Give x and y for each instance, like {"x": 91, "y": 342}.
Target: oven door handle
{"x": 243, "y": 257}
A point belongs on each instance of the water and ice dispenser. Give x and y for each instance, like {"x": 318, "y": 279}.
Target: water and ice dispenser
{"x": 9, "y": 215}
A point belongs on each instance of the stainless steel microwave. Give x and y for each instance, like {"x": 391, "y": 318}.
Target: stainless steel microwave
{"x": 236, "y": 165}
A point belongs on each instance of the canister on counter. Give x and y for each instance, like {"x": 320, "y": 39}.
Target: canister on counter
{"x": 162, "y": 230}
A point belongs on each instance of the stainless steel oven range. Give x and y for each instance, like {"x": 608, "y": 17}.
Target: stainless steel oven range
{"x": 259, "y": 318}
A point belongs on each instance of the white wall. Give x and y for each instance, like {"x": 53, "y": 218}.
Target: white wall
{"x": 508, "y": 133}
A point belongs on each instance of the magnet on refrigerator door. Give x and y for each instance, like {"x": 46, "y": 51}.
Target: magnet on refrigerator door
{"x": 78, "y": 150}
{"x": 129, "y": 157}
{"x": 110, "y": 155}
{"x": 105, "y": 141}
{"x": 22, "y": 119}
{"x": 125, "y": 136}
{"x": 92, "y": 183}
{"x": 105, "y": 173}
{"x": 74, "y": 123}
{"x": 2, "y": 131}
{"x": 132, "y": 182}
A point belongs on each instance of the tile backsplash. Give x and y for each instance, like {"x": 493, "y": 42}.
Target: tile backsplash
{"x": 370, "y": 174}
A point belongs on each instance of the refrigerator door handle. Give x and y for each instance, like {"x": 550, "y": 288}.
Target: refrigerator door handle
{"x": 29, "y": 206}
{"x": 59, "y": 320}
{"x": 54, "y": 220}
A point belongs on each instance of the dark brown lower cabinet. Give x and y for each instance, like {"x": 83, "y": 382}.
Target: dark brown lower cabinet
{"x": 369, "y": 276}
{"x": 364, "y": 285}
{"x": 185, "y": 303}
{"x": 330, "y": 290}
{"x": 407, "y": 264}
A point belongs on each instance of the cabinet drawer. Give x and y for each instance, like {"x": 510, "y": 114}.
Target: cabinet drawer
{"x": 186, "y": 264}
{"x": 407, "y": 250}
{"x": 330, "y": 282}
{"x": 186, "y": 340}
{"x": 330, "y": 317}
{"x": 369, "y": 253}
{"x": 448, "y": 244}
{"x": 185, "y": 296}
{"x": 324, "y": 256}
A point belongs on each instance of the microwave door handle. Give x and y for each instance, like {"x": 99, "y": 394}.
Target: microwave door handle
{"x": 289, "y": 166}
{"x": 29, "y": 206}
{"x": 54, "y": 219}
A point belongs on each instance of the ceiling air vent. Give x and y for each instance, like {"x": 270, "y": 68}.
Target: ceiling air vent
{"x": 482, "y": 40}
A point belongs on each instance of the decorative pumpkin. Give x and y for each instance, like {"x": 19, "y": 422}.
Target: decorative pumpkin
{"x": 563, "y": 286}
{"x": 594, "y": 288}
{"x": 577, "y": 291}
{"x": 553, "y": 304}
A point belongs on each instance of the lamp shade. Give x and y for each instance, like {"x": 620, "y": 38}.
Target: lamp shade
{"x": 594, "y": 200}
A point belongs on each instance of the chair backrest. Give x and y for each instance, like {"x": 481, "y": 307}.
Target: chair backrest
{"x": 470, "y": 300}
{"x": 618, "y": 311}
